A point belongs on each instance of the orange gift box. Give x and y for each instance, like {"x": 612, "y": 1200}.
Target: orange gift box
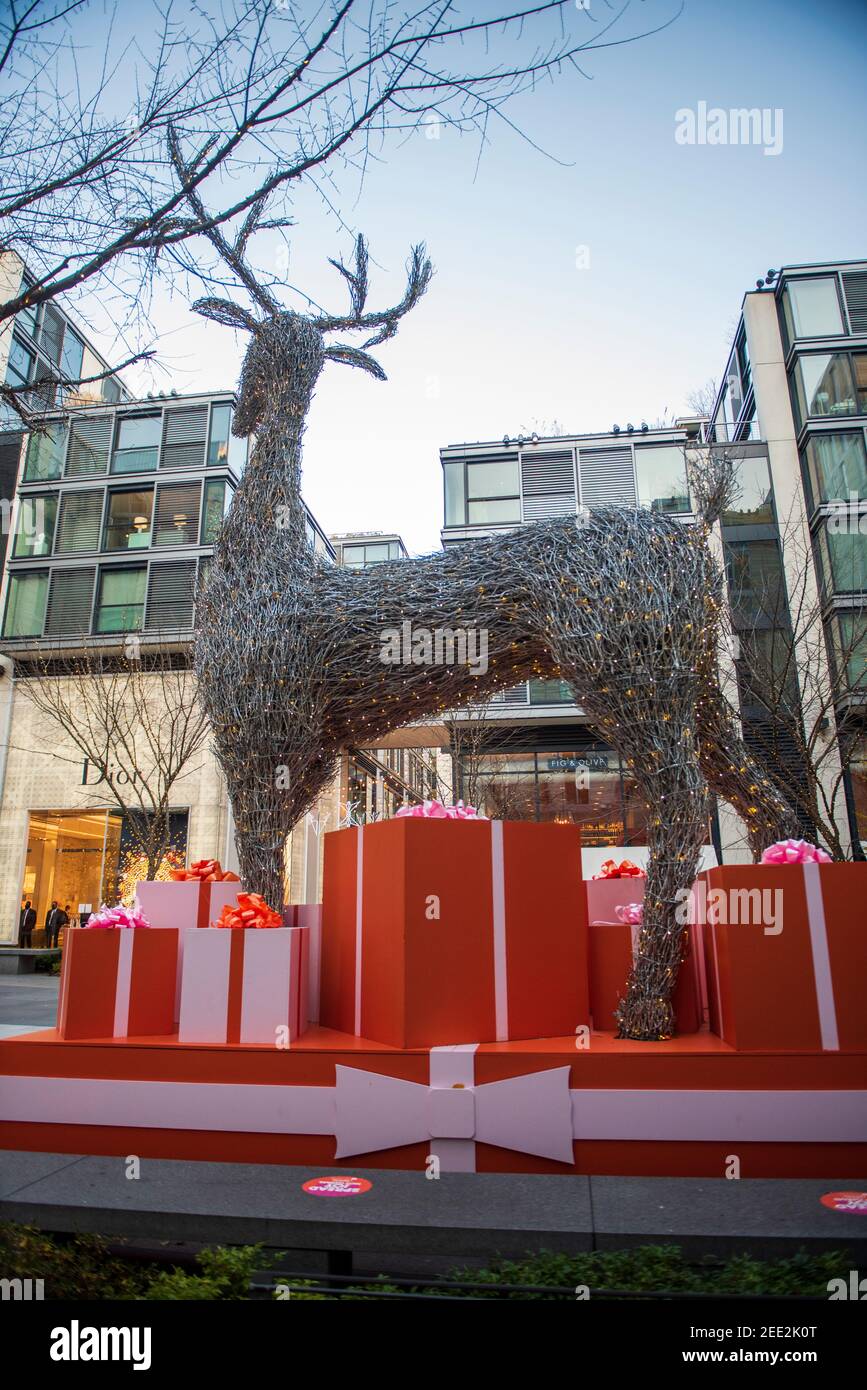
{"x": 438, "y": 932}
{"x": 792, "y": 975}
{"x": 612, "y": 950}
{"x": 117, "y": 983}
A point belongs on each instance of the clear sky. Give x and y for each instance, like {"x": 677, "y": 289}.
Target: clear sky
{"x": 517, "y": 326}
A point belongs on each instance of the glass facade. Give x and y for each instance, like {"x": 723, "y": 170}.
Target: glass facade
{"x": 836, "y": 467}
{"x": 34, "y": 529}
{"x": 218, "y": 443}
{"x": 754, "y": 502}
{"x": 137, "y": 443}
{"x": 842, "y": 551}
{"x": 25, "y": 604}
{"x": 825, "y": 385}
{"x": 811, "y": 308}
{"x": 128, "y": 519}
{"x": 661, "y": 475}
{"x": 121, "y": 602}
{"x": 45, "y": 452}
{"x": 589, "y": 787}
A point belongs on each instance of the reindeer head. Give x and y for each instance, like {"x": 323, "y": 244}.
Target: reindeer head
{"x": 288, "y": 349}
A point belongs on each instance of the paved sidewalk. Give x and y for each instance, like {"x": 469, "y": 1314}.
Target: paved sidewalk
{"x": 460, "y": 1214}
{"x": 27, "y": 1002}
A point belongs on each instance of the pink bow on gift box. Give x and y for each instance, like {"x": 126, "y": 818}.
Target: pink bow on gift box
{"x": 118, "y": 917}
{"x": 795, "y": 852}
{"x": 530, "y": 1114}
{"x": 435, "y": 810}
{"x": 631, "y": 913}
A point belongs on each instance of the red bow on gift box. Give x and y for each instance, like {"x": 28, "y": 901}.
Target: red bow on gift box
{"x": 251, "y": 911}
{"x": 625, "y": 869}
{"x": 204, "y": 871}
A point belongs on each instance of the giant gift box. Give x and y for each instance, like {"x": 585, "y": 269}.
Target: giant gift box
{"x": 244, "y": 985}
{"x": 793, "y": 979}
{"x": 612, "y": 950}
{"x": 117, "y": 983}
{"x": 191, "y": 903}
{"x": 439, "y": 932}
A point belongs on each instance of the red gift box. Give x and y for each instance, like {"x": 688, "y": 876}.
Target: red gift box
{"x": 786, "y": 953}
{"x": 243, "y": 985}
{"x": 606, "y": 894}
{"x": 437, "y": 932}
{"x": 185, "y": 904}
{"x": 309, "y": 915}
{"x": 612, "y": 950}
{"x": 117, "y": 983}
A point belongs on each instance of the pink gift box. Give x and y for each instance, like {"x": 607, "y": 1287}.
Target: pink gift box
{"x": 184, "y": 904}
{"x": 244, "y": 985}
{"x": 606, "y": 894}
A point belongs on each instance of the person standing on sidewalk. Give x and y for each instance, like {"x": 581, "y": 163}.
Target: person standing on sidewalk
{"x": 28, "y": 922}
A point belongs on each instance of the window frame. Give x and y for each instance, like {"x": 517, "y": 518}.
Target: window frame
{"x": 112, "y": 492}
{"x": 104, "y": 572}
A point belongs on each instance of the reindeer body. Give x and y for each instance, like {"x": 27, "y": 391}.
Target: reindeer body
{"x": 290, "y": 647}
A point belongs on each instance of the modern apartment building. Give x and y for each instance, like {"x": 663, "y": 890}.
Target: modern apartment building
{"x": 796, "y": 379}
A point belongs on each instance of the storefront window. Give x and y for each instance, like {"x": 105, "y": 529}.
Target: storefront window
{"x": 82, "y": 859}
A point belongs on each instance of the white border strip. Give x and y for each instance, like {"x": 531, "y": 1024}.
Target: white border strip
{"x": 821, "y": 959}
{"x": 785, "y": 1117}
{"x": 124, "y": 981}
{"x": 359, "y": 888}
{"x": 498, "y": 891}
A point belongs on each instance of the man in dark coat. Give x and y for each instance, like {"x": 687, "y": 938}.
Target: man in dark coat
{"x": 28, "y": 922}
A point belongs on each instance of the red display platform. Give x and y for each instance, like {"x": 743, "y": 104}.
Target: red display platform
{"x": 678, "y": 1108}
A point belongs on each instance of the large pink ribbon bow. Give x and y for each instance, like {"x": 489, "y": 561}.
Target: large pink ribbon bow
{"x": 529, "y": 1114}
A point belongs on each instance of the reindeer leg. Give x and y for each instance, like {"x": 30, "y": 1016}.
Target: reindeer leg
{"x": 735, "y": 776}
{"x": 662, "y": 754}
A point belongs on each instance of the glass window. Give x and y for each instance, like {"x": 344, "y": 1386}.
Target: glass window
{"x": 455, "y": 493}
{"x": 494, "y": 511}
{"x": 137, "y": 444}
{"x": 45, "y": 451}
{"x": 34, "y": 531}
{"x": 662, "y": 478}
{"x": 25, "y": 606}
{"x": 27, "y": 317}
{"x": 755, "y": 580}
{"x": 217, "y": 498}
{"x": 73, "y": 353}
{"x": 128, "y": 521}
{"x": 550, "y": 693}
{"x": 353, "y": 556}
{"x": 850, "y": 644}
{"x": 860, "y": 361}
{"x": 218, "y": 444}
{"x": 493, "y": 479}
{"x": 858, "y": 785}
{"x": 121, "y": 600}
{"x": 110, "y": 390}
{"x": 837, "y": 467}
{"x": 19, "y": 367}
{"x": 754, "y": 505}
{"x": 843, "y": 552}
{"x": 743, "y": 356}
{"x": 812, "y": 308}
{"x": 824, "y": 385}
{"x": 766, "y": 670}
{"x": 50, "y": 333}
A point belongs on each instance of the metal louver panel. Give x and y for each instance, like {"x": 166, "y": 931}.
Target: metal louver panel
{"x": 855, "y": 287}
{"x": 607, "y": 477}
{"x": 170, "y": 595}
{"x": 547, "y": 483}
{"x": 89, "y": 444}
{"x": 79, "y": 523}
{"x": 70, "y": 601}
{"x": 515, "y": 695}
{"x": 176, "y": 515}
{"x": 184, "y": 434}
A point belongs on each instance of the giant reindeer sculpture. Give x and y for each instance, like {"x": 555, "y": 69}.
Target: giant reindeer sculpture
{"x": 621, "y": 604}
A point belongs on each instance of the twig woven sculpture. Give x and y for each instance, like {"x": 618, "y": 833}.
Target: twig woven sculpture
{"x": 621, "y": 604}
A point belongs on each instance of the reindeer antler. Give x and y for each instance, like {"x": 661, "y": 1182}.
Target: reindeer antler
{"x": 419, "y": 273}
{"x": 223, "y": 310}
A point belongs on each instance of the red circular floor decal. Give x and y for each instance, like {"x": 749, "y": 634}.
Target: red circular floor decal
{"x": 340, "y": 1186}
{"x": 846, "y": 1201}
